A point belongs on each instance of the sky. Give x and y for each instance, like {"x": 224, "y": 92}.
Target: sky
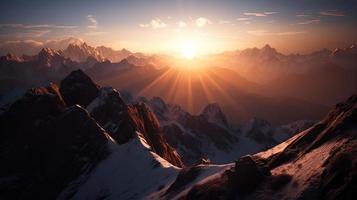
{"x": 291, "y": 26}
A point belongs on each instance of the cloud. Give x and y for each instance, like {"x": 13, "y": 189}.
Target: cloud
{"x": 62, "y": 43}
{"x": 334, "y": 13}
{"x": 93, "y": 23}
{"x": 302, "y": 15}
{"x": 259, "y": 14}
{"x": 20, "y": 47}
{"x": 270, "y": 13}
{"x": 313, "y": 21}
{"x": 38, "y": 33}
{"x": 34, "y": 26}
{"x": 201, "y": 22}
{"x": 27, "y": 34}
{"x": 155, "y": 23}
{"x": 65, "y": 27}
{"x": 265, "y": 32}
{"x": 32, "y": 47}
{"x": 181, "y": 24}
{"x": 243, "y": 19}
{"x": 255, "y": 14}
{"x": 291, "y": 33}
{"x": 30, "y": 42}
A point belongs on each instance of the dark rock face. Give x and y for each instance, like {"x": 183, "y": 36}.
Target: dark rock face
{"x": 248, "y": 174}
{"x": 154, "y": 135}
{"x": 46, "y": 146}
{"x": 112, "y": 113}
{"x": 240, "y": 180}
{"x": 185, "y": 176}
{"x": 78, "y": 88}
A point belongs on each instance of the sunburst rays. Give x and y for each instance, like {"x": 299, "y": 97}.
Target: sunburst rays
{"x": 190, "y": 87}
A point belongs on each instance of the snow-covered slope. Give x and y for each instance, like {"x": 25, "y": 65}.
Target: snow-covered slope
{"x": 318, "y": 163}
{"x": 131, "y": 171}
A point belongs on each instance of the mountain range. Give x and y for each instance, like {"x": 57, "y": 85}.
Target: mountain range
{"x": 78, "y": 140}
{"x": 303, "y": 88}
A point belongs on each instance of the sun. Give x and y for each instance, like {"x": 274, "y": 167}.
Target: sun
{"x": 188, "y": 50}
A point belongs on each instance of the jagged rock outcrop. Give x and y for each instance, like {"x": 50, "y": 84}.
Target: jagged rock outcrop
{"x": 10, "y": 57}
{"x": 50, "y": 58}
{"x": 123, "y": 121}
{"x": 248, "y": 174}
{"x": 78, "y": 88}
{"x": 194, "y": 136}
{"x": 45, "y": 145}
{"x": 50, "y": 143}
{"x": 213, "y": 113}
{"x": 155, "y": 137}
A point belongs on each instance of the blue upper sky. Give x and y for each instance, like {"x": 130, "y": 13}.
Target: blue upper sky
{"x": 141, "y": 25}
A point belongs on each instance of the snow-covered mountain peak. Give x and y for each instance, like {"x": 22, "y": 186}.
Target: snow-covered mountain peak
{"x": 213, "y": 113}
{"x": 48, "y": 52}
{"x": 80, "y": 52}
{"x": 11, "y": 57}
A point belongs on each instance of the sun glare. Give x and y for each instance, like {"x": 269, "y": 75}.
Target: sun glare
{"x": 188, "y": 50}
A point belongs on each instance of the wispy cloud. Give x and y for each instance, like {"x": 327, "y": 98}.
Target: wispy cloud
{"x": 93, "y": 23}
{"x": 302, "y": 15}
{"x": 27, "y": 34}
{"x": 31, "y": 42}
{"x": 33, "y": 26}
{"x": 259, "y": 14}
{"x": 312, "y": 21}
{"x": 265, "y": 32}
{"x": 155, "y": 23}
{"x": 291, "y": 33}
{"x": 334, "y": 13}
{"x": 270, "y": 13}
{"x": 201, "y": 22}
{"x": 243, "y": 18}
